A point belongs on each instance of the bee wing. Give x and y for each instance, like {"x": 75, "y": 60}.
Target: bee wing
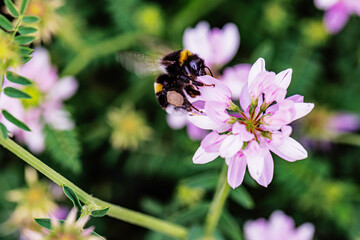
{"x": 138, "y": 63}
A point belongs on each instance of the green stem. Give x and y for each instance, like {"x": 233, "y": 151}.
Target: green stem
{"x": 348, "y": 138}
{"x": 218, "y": 203}
{"x": 115, "y": 211}
{"x": 103, "y": 48}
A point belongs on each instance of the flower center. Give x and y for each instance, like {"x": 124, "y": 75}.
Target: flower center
{"x": 36, "y": 97}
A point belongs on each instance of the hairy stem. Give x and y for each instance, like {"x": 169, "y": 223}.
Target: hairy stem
{"x": 115, "y": 211}
{"x": 217, "y": 204}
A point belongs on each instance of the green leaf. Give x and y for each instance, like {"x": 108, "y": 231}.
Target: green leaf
{"x": 15, "y": 121}
{"x": 22, "y": 40}
{"x": 23, "y": 6}
{"x": 12, "y": 8}
{"x": 25, "y": 50}
{"x": 242, "y": 197}
{"x": 16, "y": 93}
{"x": 13, "y": 77}
{"x": 27, "y": 30}
{"x": 5, "y": 23}
{"x": 229, "y": 226}
{"x": 4, "y": 131}
{"x": 100, "y": 213}
{"x": 72, "y": 196}
{"x": 30, "y": 19}
{"x": 46, "y": 223}
{"x": 64, "y": 147}
{"x": 26, "y": 59}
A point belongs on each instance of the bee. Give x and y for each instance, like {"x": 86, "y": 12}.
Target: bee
{"x": 178, "y": 81}
{"x": 181, "y": 69}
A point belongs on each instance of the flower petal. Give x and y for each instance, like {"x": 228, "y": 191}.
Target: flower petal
{"x": 175, "y": 121}
{"x": 212, "y": 142}
{"x": 236, "y": 170}
{"x": 230, "y": 146}
{"x": 268, "y": 170}
{"x": 201, "y": 157}
{"x": 289, "y": 149}
{"x": 305, "y": 231}
{"x": 256, "y": 68}
{"x": 302, "y": 109}
{"x": 255, "y": 159}
{"x": 283, "y": 78}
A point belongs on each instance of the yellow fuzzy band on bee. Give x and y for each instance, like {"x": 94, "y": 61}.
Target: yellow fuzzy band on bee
{"x": 158, "y": 87}
{"x": 184, "y": 54}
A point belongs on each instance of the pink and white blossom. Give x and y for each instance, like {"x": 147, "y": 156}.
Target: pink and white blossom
{"x": 278, "y": 227}
{"x": 216, "y": 46}
{"x": 337, "y": 12}
{"x": 245, "y": 137}
{"x": 46, "y": 106}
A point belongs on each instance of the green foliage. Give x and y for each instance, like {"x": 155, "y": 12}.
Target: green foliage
{"x": 12, "y": 8}
{"x": 23, "y": 40}
{"x": 4, "y": 132}
{"x": 15, "y": 121}
{"x": 27, "y": 30}
{"x": 72, "y": 196}
{"x": 15, "y": 93}
{"x": 30, "y": 19}
{"x": 64, "y": 148}
{"x": 5, "y": 23}
{"x": 100, "y": 212}
{"x": 13, "y": 77}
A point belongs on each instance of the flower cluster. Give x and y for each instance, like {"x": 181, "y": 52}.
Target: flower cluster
{"x": 70, "y": 229}
{"x": 36, "y": 200}
{"x": 46, "y": 105}
{"x": 217, "y": 47}
{"x": 245, "y": 136}
{"x": 279, "y": 227}
{"x": 337, "y": 12}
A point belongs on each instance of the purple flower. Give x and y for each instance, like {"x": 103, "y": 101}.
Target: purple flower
{"x": 245, "y": 137}
{"x": 46, "y": 105}
{"x": 279, "y": 227}
{"x": 216, "y": 46}
{"x": 343, "y": 122}
{"x": 337, "y": 12}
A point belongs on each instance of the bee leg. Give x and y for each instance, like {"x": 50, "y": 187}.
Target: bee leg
{"x": 200, "y": 84}
{"x": 191, "y": 91}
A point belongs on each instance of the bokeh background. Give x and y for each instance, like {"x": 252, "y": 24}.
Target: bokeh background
{"x": 122, "y": 150}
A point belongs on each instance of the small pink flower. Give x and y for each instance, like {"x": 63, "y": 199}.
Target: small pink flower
{"x": 216, "y": 46}
{"x": 46, "y": 106}
{"x": 337, "y": 12}
{"x": 278, "y": 227}
{"x": 245, "y": 137}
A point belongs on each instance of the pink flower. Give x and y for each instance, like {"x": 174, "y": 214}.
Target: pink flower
{"x": 46, "y": 106}
{"x": 337, "y": 12}
{"x": 177, "y": 122}
{"x": 235, "y": 78}
{"x": 216, "y": 46}
{"x": 245, "y": 137}
{"x": 279, "y": 227}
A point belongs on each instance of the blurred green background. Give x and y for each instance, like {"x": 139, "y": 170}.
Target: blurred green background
{"x": 158, "y": 177}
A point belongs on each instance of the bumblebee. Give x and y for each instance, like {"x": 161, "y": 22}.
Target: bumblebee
{"x": 181, "y": 69}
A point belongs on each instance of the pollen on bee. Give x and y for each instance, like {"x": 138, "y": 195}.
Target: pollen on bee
{"x": 158, "y": 87}
{"x": 175, "y": 98}
{"x": 184, "y": 54}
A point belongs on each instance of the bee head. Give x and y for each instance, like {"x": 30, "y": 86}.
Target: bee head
{"x": 196, "y": 66}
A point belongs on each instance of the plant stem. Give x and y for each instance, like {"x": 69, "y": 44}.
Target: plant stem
{"x": 103, "y": 48}
{"x": 115, "y": 211}
{"x": 217, "y": 204}
{"x": 348, "y": 138}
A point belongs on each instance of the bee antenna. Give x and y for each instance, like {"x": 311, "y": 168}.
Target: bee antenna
{"x": 209, "y": 71}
